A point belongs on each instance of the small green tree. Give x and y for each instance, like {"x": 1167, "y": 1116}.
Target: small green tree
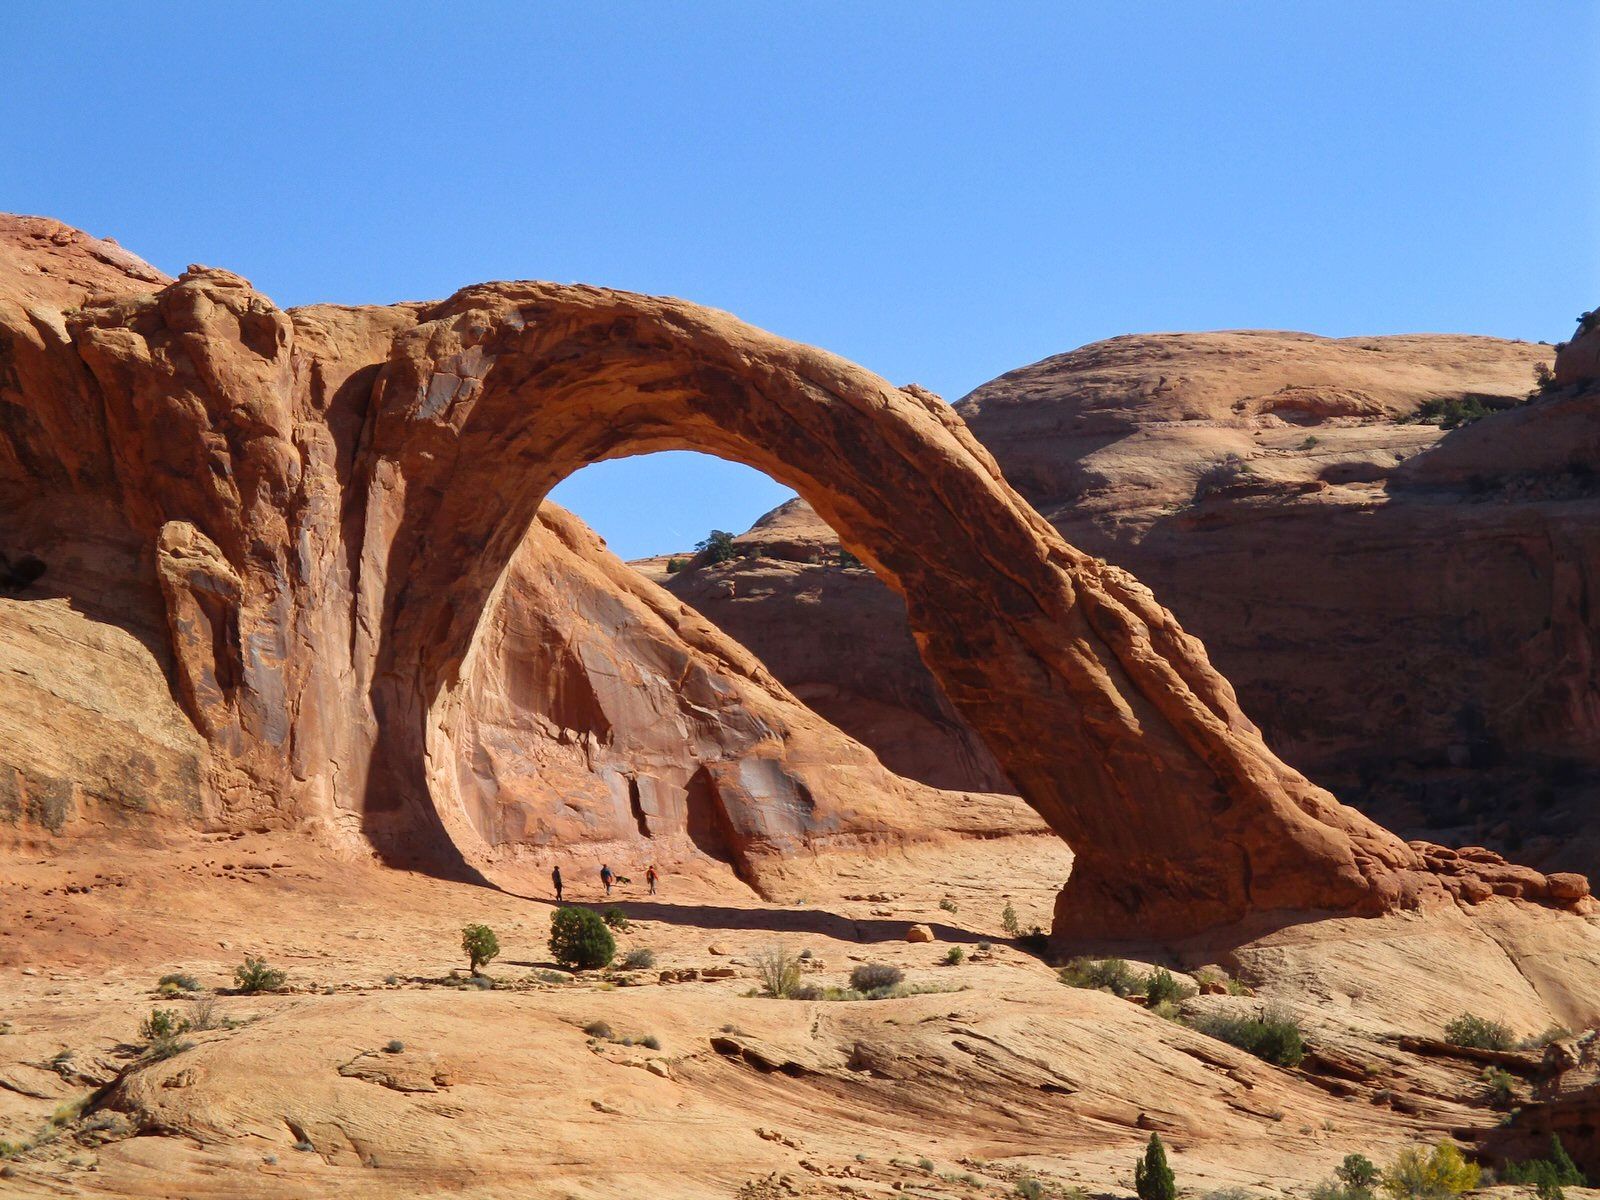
{"x": 1009, "y": 922}
{"x": 717, "y": 546}
{"x": 580, "y": 941}
{"x": 1152, "y": 1178}
{"x": 674, "y": 565}
{"x": 1358, "y": 1173}
{"x": 480, "y": 945}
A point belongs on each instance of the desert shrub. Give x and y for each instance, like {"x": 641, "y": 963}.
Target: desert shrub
{"x": 1101, "y": 974}
{"x": 1418, "y": 1174}
{"x": 948, "y": 905}
{"x": 203, "y": 1014}
{"x": 1160, "y": 987}
{"x": 1358, "y": 1171}
{"x": 1152, "y": 1178}
{"x": 925, "y": 1164}
{"x": 1354, "y": 1179}
{"x": 304, "y": 1146}
{"x": 873, "y": 977}
{"x": 1448, "y": 412}
{"x": 1478, "y": 1033}
{"x": 481, "y": 982}
{"x": 779, "y": 972}
{"x": 253, "y": 975}
{"x": 163, "y": 1032}
{"x": 1546, "y": 1175}
{"x": 1272, "y": 1035}
{"x": 1009, "y": 922}
{"x": 955, "y": 956}
{"x": 1030, "y": 1189}
{"x": 985, "y": 947}
{"x": 1499, "y": 1088}
{"x": 848, "y": 560}
{"x": 716, "y": 546}
{"x": 1555, "y": 1033}
{"x": 599, "y": 1029}
{"x": 480, "y": 945}
{"x": 179, "y": 982}
{"x": 580, "y": 940}
{"x": 640, "y": 958}
{"x": 161, "y": 1023}
{"x": 616, "y": 919}
{"x": 650, "y": 1042}
{"x": 808, "y": 991}
{"x": 394, "y": 1046}
{"x": 674, "y": 565}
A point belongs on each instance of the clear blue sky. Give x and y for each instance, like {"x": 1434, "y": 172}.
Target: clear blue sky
{"x": 939, "y": 191}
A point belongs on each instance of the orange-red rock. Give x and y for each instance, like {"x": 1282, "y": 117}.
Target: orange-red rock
{"x": 335, "y": 494}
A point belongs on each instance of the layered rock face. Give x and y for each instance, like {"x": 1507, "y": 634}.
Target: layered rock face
{"x": 1407, "y": 610}
{"x": 329, "y": 498}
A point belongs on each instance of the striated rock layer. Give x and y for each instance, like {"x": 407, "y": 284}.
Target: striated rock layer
{"x": 329, "y": 498}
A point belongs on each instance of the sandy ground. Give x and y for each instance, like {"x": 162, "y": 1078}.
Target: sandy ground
{"x": 1001, "y": 1074}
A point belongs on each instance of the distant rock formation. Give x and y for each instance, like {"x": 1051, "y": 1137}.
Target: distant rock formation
{"x": 327, "y": 500}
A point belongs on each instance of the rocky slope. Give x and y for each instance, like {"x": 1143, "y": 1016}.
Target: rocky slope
{"x": 328, "y": 499}
{"x": 1407, "y": 610}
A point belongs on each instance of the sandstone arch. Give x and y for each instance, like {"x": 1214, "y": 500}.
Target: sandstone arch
{"x": 332, "y": 493}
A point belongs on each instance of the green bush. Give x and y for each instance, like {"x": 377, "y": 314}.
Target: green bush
{"x": 641, "y": 958}
{"x": 1555, "y": 1033}
{"x": 616, "y": 919}
{"x": 580, "y": 941}
{"x": 1448, "y": 413}
{"x": 717, "y": 546}
{"x": 395, "y": 1047}
{"x": 1417, "y": 1174}
{"x": 179, "y": 981}
{"x": 1355, "y": 1179}
{"x": 1030, "y": 1189}
{"x": 1103, "y": 974}
{"x": 1152, "y": 1178}
{"x": 480, "y": 945}
{"x": 1160, "y": 987}
{"x": 253, "y": 975}
{"x": 1499, "y": 1088}
{"x": 1271, "y": 1035}
{"x": 1478, "y": 1033}
{"x": 599, "y": 1029}
{"x": 674, "y": 565}
{"x": 650, "y": 1042}
{"x": 162, "y": 1031}
{"x": 874, "y": 977}
{"x": 955, "y": 956}
{"x": 948, "y": 905}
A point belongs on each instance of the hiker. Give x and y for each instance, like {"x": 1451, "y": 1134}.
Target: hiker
{"x": 606, "y": 877}
{"x": 555, "y": 878}
{"x": 650, "y": 877}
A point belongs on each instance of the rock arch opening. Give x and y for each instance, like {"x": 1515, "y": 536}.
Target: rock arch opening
{"x": 349, "y": 485}
{"x": 1104, "y": 713}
